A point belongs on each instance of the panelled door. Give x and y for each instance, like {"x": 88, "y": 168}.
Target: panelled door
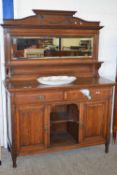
{"x": 93, "y": 121}
{"x": 32, "y": 129}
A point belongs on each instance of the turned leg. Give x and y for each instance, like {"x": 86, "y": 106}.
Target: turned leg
{"x": 114, "y": 136}
{"x": 107, "y": 144}
{"x": 106, "y": 147}
{"x": 14, "y": 161}
{"x": 14, "y": 157}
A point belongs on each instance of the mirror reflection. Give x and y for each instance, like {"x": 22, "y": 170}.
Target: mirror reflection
{"x": 51, "y": 47}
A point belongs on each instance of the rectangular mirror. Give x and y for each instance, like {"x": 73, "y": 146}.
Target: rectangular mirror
{"x": 51, "y": 47}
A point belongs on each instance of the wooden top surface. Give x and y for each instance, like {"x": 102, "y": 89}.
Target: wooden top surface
{"x": 20, "y": 86}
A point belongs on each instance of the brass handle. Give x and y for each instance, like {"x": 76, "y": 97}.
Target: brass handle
{"x": 41, "y": 97}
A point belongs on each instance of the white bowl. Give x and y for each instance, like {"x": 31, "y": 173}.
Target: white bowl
{"x": 56, "y": 80}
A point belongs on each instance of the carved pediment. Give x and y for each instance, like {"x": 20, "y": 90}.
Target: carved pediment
{"x": 52, "y": 19}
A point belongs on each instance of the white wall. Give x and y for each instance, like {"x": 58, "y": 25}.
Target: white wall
{"x": 2, "y": 90}
{"x": 0, "y": 77}
{"x": 100, "y": 10}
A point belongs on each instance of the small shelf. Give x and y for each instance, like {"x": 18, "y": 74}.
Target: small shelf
{"x": 63, "y": 121}
{"x": 62, "y": 138}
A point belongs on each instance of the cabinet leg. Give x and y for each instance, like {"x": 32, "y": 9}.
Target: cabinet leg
{"x": 14, "y": 161}
{"x": 114, "y": 136}
{"x": 0, "y": 162}
{"x": 106, "y": 147}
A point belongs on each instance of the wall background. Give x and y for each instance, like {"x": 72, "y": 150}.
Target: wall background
{"x": 103, "y": 11}
{"x": 2, "y": 90}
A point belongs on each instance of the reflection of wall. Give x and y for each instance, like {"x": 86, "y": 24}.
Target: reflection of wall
{"x": 33, "y": 52}
{"x": 69, "y": 42}
{"x": 55, "y": 41}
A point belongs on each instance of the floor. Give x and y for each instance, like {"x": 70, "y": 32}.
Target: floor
{"x": 84, "y": 161}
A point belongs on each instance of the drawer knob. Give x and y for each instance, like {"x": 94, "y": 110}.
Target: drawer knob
{"x": 41, "y": 97}
{"x": 97, "y": 92}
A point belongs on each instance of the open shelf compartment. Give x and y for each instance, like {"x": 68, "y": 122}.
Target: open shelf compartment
{"x": 64, "y": 124}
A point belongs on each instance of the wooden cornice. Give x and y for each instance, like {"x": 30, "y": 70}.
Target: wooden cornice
{"x": 52, "y": 19}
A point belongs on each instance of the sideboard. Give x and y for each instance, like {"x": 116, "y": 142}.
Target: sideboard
{"x": 46, "y": 118}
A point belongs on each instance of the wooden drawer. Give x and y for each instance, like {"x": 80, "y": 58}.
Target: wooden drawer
{"x": 38, "y": 97}
{"x": 74, "y": 95}
{"x": 101, "y": 92}
{"x": 94, "y": 93}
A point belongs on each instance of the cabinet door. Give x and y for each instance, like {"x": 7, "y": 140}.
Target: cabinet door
{"x": 94, "y": 122}
{"x": 32, "y": 128}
